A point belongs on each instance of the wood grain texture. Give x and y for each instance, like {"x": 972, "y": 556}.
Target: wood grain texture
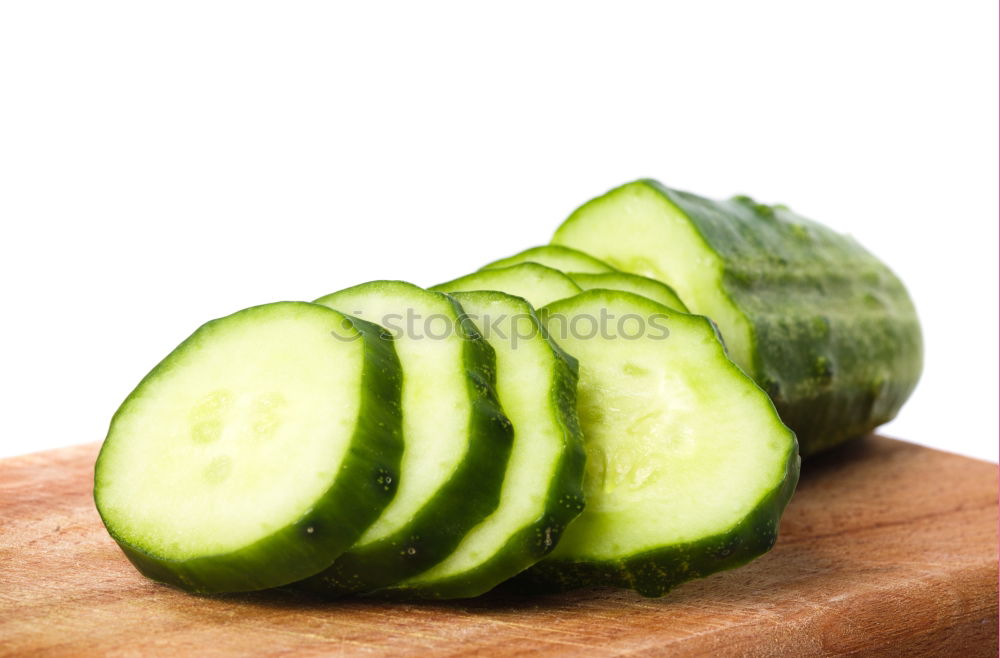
{"x": 887, "y": 549}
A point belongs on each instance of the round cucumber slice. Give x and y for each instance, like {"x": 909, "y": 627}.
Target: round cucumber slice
{"x": 640, "y": 285}
{"x": 256, "y": 452}
{"x": 456, "y": 437}
{"x": 536, "y": 283}
{"x": 557, "y": 257}
{"x": 688, "y": 465}
{"x": 542, "y": 487}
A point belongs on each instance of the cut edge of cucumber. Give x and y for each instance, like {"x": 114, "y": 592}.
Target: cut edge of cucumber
{"x": 380, "y": 563}
{"x": 645, "y": 207}
{"x": 563, "y": 498}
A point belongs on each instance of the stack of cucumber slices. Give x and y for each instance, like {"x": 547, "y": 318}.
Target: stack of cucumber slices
{"x": 612, "y": 409}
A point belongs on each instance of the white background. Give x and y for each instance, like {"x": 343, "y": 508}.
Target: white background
{"x": 162, "y": 164}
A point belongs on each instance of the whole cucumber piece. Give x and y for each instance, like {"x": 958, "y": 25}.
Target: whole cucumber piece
{"x": 818, "y": 321}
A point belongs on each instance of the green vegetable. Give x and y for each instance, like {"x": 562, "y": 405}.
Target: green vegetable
{"x": 536, "y": 283}
{"x": 688, "y": 465}
{"x": 456, "y": 438}
{"x": 556, "y": 257}
{"x": 822, "y": 325}
{"x": 431, "y": 443}
{"x": 542, "y": 491}
{"x": 256, "y": 452}
{"x": 640, "y": 285}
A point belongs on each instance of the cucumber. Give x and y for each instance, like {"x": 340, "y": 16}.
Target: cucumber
{"x": 820, "y": 323}
{"x": 456, "y": 437}
{"x": 688, "y": 465}
{"x": 541, "y": 494}
{"x": 256, "y": 452}
{"x": 556, "y": 257}
{"x": 536, "y": 283}
{"x": 640, "y": 285}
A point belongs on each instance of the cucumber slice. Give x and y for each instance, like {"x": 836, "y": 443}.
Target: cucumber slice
{"x": 556, "y": 257}
{"x": 256, "y": 452}
{"x": 821, "y": 324}
{"x": 688, "y": 465}
{"x": 456, "y": 438}
{"x": 536, "y": 283}
{"x": 542, "y": 491}
{"x": 640, "y": 285}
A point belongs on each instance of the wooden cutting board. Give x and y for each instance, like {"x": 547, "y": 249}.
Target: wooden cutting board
{"x": 887, "y": 548}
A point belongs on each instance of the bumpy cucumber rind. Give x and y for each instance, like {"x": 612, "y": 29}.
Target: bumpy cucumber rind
{"x": 469, "y": 496}
{"x": 365, "y": 485}
{"x": 833, "y": 373}
{"x": 564, "y": 500}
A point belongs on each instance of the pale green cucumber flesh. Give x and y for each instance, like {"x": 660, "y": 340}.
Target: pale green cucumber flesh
{"x": 541, "y": 494}
{"x": 554, "y": 256}
{"x": 256, "y": 452}
{"x": 537, "y": 284}
{"x": 688, "y": 465}
{"x": 456, "y": 438}
{"x": 641, "y": 285}
{"x": 820, "y": 323}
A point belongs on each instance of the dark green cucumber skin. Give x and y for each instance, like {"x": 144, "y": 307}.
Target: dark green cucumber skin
{"x": 365, "y": 486}
{"x": 468, "y": 497}
{"x": 837, "y": 341}
{"x": 654, "y": 573}
{"x": 564, "y": 500}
